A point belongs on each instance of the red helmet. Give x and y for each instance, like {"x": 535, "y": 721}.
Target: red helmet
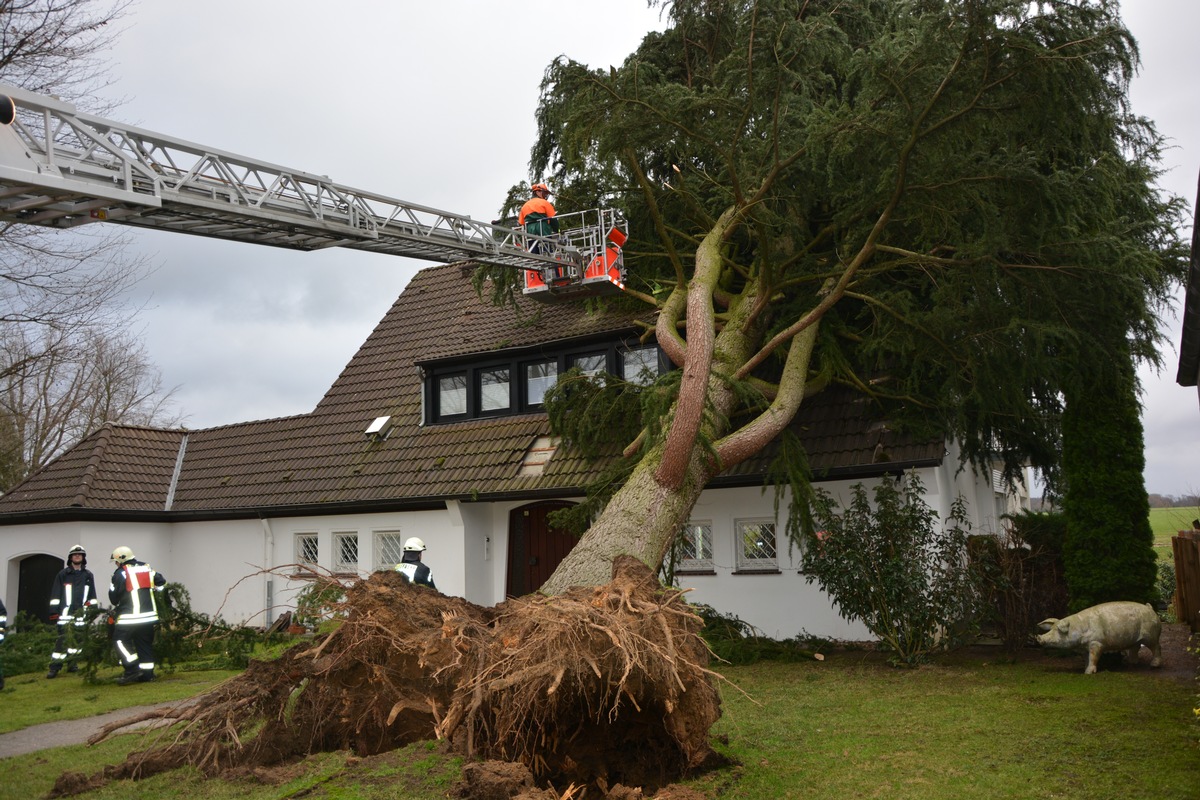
{"x": 540, "y": 187}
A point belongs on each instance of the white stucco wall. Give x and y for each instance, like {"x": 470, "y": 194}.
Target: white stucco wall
{"x": 785, "y": 605}
{"x": 442, "y": 532}
{"x": 244, "y": 569}
{"x": 151, "y": 542}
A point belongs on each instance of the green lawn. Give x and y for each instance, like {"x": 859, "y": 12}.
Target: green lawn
{"x": 1167, "y": 522}
{"x": 969, "y": 727}
{"x": 31, "y": 699}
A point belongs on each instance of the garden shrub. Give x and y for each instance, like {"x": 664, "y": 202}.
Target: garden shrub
{"x": 27, "y": 645}
{"x": 735, "y": 641}
{"x": 1109, "y": 549}
{"x": 185, "y": 639}
{"x": 892, "y": 565}
{"x": 1024, "y": 570}
{"x": 1165, "y": 587}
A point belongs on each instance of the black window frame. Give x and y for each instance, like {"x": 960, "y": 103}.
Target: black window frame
{"x": 435, "y": 390}
{"x": 477, "y": 390}
{"x": 523, "y": 401}
{"x": 519, "y": 403}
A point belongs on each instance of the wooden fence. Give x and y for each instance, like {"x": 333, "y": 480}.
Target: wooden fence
{"x": 1186, "y": 548}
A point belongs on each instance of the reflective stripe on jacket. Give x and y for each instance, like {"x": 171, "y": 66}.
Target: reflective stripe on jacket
{"x": 132, "y": 593}
{"x": 73, "y": 590}
{"x": 416, "y": 572}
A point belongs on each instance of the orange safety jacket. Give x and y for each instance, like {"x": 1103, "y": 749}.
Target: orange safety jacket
{"x": 535, "y": 205}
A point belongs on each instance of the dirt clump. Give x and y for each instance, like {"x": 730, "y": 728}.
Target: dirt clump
{"x": 73, "y": 783}
{"x": 494, "y": 780}
{"x": 598, "y": 687}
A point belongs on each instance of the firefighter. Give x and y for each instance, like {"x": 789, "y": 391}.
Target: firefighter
{"x": 3, "y": 628}
{"x": 410, "y": 564}
{"x": 132, "y": 593}
{"x": 537, "y": 215}
{"x": 73, "y": 592}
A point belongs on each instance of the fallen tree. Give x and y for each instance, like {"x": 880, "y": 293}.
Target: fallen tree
{"x": 598, "y": 686}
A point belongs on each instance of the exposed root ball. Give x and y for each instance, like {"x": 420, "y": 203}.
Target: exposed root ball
{"x": 602, "y": 685}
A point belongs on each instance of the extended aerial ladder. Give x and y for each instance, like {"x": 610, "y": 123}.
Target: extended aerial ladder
{"x": 62, "y": 168}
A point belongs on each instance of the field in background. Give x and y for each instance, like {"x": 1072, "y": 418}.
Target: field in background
{"x": 1167, "y": 522}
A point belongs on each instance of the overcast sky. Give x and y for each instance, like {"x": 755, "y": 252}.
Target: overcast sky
{"x": 433, "y": 103}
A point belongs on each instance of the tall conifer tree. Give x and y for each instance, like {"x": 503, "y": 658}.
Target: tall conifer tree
{"x": 913, "y": 198}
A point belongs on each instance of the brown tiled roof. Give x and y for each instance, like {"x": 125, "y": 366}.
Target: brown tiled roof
{"x": 843, "y": 436}
{"x": 117, "y": 467}
{"x": 324, "y": 461}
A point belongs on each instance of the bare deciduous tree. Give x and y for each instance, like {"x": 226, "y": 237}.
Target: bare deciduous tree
{"x": 47, "y": 278}
{"x": 67, "y": 361}
{"x": 66, "y": 386}
{"x": 59, "y": 47}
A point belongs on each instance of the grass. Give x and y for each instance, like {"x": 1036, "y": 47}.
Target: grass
{"x": 968, "y": 727}
{"x": 1167, "y": 522}
{"x": 31, "y": 699}
{"x": 972, "y": 730}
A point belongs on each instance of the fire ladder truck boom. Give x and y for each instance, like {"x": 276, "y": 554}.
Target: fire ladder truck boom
{"x": 63, "y": 168}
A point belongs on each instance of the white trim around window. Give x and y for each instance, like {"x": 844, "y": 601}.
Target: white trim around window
{"x": 694, "y": 548}
{"x": 757, "y": 545}
{"x": 308, "y": 548}
{"x": 345, "y": 551}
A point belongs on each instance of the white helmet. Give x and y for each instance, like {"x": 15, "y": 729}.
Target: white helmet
{"x": 121, "y": 555}
{"x": 414, "y": 545}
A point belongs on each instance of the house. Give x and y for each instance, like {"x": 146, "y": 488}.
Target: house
{"x": 435, "y": 429}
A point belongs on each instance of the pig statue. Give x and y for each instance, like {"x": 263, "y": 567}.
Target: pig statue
{"x": 1105, "y": 628}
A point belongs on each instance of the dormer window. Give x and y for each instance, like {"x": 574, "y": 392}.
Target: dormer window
{"x": 495, "y": 390}
{"x": 640, "y": 365}
{"x": 452, "y": 394}
{"x": 540, "y": 377}
{"x": 590, "y": 364}
{"x": 495, "y": 387}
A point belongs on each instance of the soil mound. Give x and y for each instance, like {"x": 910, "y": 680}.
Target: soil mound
{"x": 601, "y": 686}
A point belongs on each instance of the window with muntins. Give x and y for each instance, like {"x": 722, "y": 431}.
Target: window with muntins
{"x": 757, "y": 549}
{"x": 693, "y": 548}
{"x": 389, "y": 548}
{"x": 345, "y": 551}
{"x": 307, "y": 551}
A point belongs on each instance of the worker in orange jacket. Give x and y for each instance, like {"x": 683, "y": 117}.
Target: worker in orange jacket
{"x": 537, "y": 215}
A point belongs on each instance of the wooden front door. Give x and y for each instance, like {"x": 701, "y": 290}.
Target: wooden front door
{"x": 534, "y": 548}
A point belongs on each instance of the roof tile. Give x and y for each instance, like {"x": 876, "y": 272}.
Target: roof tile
{"x": 325, "y": 458}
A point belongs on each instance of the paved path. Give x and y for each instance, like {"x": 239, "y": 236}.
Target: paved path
{"x": 71, "y": 731}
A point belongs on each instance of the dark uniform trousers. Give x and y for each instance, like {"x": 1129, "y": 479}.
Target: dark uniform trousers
{"x": 135, "y": 644}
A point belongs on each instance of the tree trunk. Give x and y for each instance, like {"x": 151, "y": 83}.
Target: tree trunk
{"x": 644, "y": 516}
{"x": 640, "y": 520}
